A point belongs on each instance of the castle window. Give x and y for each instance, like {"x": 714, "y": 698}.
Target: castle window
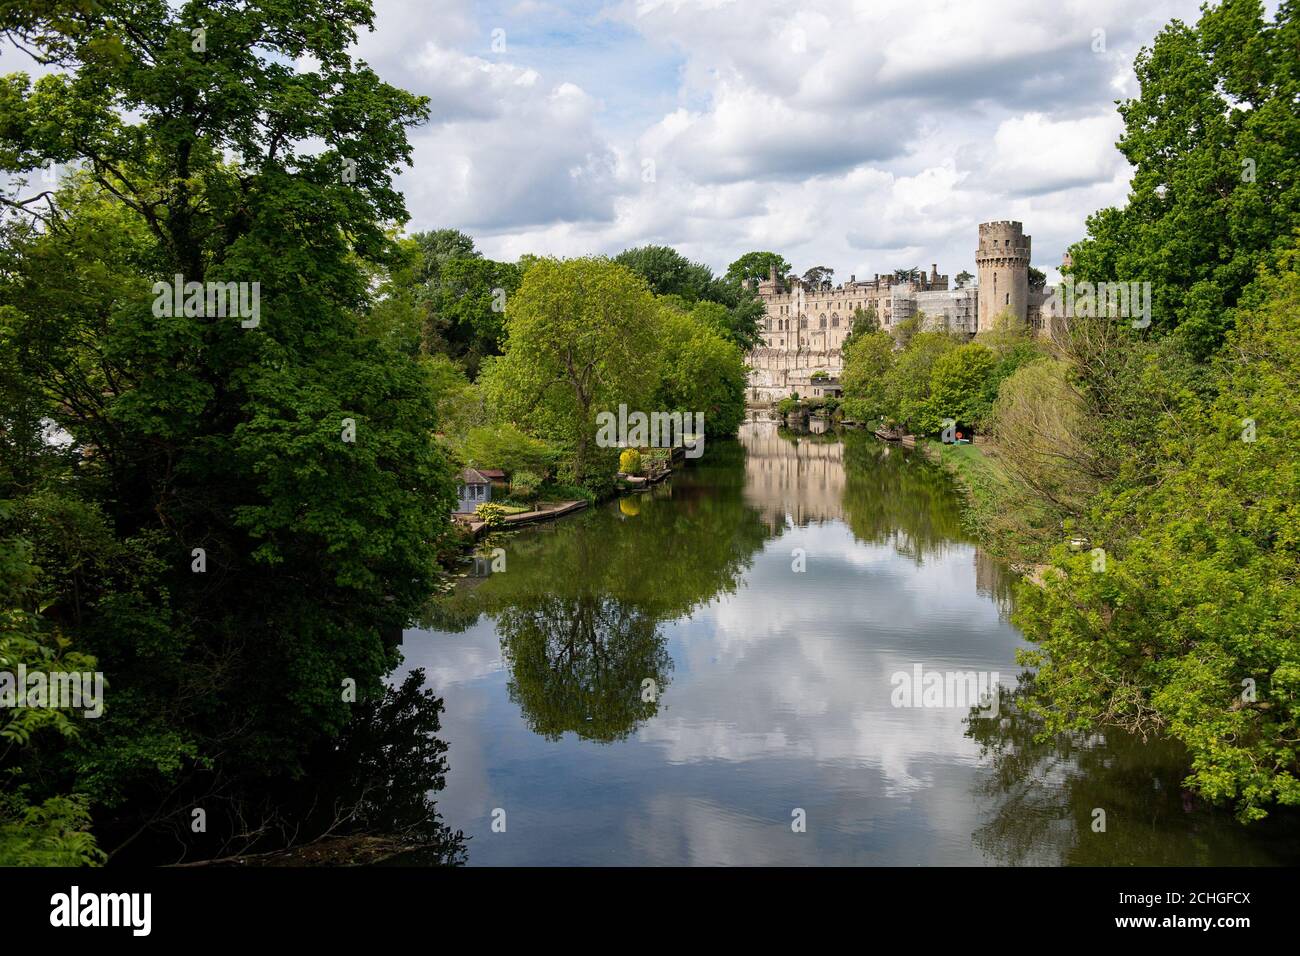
{"x": 835, "y": 321}
{"x": 803, "y": 323}
{"x": 822, "y": 322}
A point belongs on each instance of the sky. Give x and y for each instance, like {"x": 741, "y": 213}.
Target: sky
{"x": 863, "y": 135}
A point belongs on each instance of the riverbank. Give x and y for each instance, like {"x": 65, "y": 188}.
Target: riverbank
{"x": 657, "y": 469}
{"x": 1000, "y": 512}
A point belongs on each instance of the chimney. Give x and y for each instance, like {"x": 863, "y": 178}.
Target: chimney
{"x": 771, "y": 273}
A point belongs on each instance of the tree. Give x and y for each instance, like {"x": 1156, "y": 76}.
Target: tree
{"x": 292, "y": 454}
{"x": 438, "y": 247}
{"x": 867, "y": 360}
{"x": 1189, "y": 626}
{"x": 905, "y": 329}
{"x": 504, "y": 446}
{"x": 818, "y": 276}
{"x": 745, "y": 312}
{"x": 757, "y": 265}
{"x": 1215, "y": 191}
{"x": 667, "y": 272}
{"x": 701, "y": 372}
{"x": 466, "y": 307}
{"x": 582, "y": 336}
{"x": 35, "y": 829}
{"x": 862, "y": 322}
{"x": 728, "y": 304}
{"x": 1037, "y": 279}
{"x": 907, "y": 383}
{"x": 959, "y": 382}
{"x": 962, "y": 278}
{"x": 1044, "y": 435}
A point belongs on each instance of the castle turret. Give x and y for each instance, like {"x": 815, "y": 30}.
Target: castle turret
{"x": 1002, "y": 261}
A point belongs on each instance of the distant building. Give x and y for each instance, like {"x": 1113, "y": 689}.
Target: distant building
{"x": 472, "y": 490}
{"x": 806, "y": 325}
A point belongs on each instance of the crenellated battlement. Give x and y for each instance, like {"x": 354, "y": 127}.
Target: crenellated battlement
{"x": 806, "y": 325}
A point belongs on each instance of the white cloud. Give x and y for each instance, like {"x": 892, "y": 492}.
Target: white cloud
{"x": 860, "y": 135}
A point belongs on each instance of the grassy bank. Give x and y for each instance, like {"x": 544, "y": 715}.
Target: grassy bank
{"x": 1000, "y": 512}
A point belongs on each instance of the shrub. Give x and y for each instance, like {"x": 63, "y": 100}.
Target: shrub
{"x": 507, "y": 447}
{"x": 630, "y": 462}
{"x": 491, "y": 514}
{"x": 524, "y": 486}
{"x": 562, "y": 492}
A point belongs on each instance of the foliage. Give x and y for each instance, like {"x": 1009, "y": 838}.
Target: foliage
{"x": 700, "y": 371}
{"x": 907, "y": 383}
{"x": 491, "y": 514}
{"x": 506, "y": 446}
{"x": 1045, "y": 435}
{"x": 629, "y": 462}
{"x": 525, "y": 486}
{"x": 904, "y": 329}
{"x": 1213, "y": 137}
{"x": 582, "y": 337}
{"x": 465, "y": 308}
{"x": 667, "y": 272}
{"x": 1001, "y": 512}
{"x": 55, "y": 830}
{"x": 298, "y": 453}
{"x": 728, "y": 305}
{"x": 960, "y": 384}
{"x": 757, "y": 265}
{"x": 867, "y": 361}
{"x": 818, "y": 276}
{"x": 1190, "y": 629}
{"x": 555, "y": 491}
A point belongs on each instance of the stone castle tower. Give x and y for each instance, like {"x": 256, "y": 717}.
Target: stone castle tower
{"x": 1003, "y": 264}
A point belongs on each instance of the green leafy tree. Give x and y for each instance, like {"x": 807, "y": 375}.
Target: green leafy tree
{"x": 907, "y": 383}
{"x": 959, "y": 384}
{"x": 296, "y": 452}
{"x": 582, "y": 337}
{"x": 35, "y": 829}
{"x": 466, "y": 307}
{"x": 757, "y": 265}
{"x": 667, "y": 272}
{"x": 1188, "y": 628}
{"x": 727, "y": 303}
{"x": 818, "y": 276}
{"x": 701, "y": 372}
{"x": 867, "y": 361}
{"x": 504, "y": 445}
{"x": 1212, "y": 137}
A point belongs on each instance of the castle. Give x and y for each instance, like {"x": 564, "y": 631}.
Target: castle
{"x": 805, "y": 325}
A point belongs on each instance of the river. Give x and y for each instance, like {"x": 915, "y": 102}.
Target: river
{"x": 713, "y": 672}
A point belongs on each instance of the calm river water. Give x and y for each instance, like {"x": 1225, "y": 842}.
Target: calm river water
{"x": 655, "y": 681}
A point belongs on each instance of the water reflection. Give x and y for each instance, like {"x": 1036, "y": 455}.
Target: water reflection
{"x": 771, "y": 684}
{"x": 593, "y": 666}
